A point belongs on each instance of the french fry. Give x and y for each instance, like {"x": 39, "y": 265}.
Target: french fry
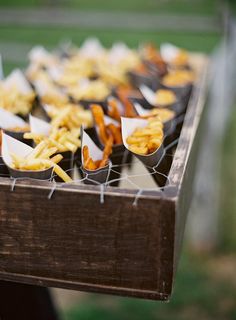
{"x": 99, "y": 120}
{"x": 39, "y": 159}
{"x": 92, "y": 165}
{"x": 105, "y": 130}
{"x": 147, "y": 139}
{"x": 106, "y": 152}
{"x": 15, "y": 101}
{"x": 115, "y": 132}
{"x": 129, "y": 109}
{"x": 113, "y": 110}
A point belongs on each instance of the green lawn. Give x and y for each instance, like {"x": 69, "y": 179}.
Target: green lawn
{"x": 200, "y": 292}
{"x": 228, "y": 216}
{"x": 203, "y": 7}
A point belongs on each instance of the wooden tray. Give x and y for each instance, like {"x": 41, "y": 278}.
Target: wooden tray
{"x": 74, "y": 241}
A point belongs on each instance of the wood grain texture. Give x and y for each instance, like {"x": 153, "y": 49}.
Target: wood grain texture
{"x": 67, "y": 237}
{"x": 74, "y": 241}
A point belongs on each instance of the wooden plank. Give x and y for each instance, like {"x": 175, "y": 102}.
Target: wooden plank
{"x": 119, "y": 245}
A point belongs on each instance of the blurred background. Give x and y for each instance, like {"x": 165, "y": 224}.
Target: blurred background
{"x": 205, "y": 287}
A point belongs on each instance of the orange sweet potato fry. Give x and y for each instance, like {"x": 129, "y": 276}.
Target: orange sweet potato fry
{"x": 98, "y": 115}
{"x": 85, "y": 153}
{"x": 113, "y": 110}
{"x": 89, "y": 164}
{"x": 106, "y": 152}
{"x": 129, "y": 109}
{"x": 115, "y": 132}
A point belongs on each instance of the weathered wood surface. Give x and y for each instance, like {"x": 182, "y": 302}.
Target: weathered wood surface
{"x": 74, "y": 241}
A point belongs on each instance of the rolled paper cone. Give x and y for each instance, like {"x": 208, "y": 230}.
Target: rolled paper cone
{"x": 169, "y": 126}
{"x": 141, "y": 101}
{"x": 153, "y": 68}
{"x": 39, "y": 126}
{"x": 46, "y": 174}
{"x": 100, "y": 175}
{"x": 149, "y": 98}
{"x": 95, "y": 177}
{"x": 87, "y": 103}
{"x": 13, "y": 146}
{"x": 17, "y": 79}
{"x": 169, "y": 51}
{"x": 182, "y": 92}
{"x": 9, "y": 120}
{"x": 18, "y": 135}
{"x": 150, "y": 160}
{"x": 116, "y": 157}
{"x": 4, "y": 172}
{"x": 137, "y": 79}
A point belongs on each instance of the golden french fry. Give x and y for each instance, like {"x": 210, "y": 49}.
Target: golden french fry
{"x": 147, "y": 139}
{"x": 61, "y": 173}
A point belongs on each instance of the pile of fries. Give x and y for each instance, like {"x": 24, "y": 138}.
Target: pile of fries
{"x": 86, "y": 76}
{"x": 41, "y": 158}
{"x": 105, "y": 131}
{"x": 178, "y": 78}
{"x": 146, "y": 140}
{"x": 164, "y": 114}
{"x": 90, "y": 164}
{"x": 165, "y": 97}
{"x": 62, "y": 139}
{"x": 71, "y": 116}
{"x": 15, "y": 101}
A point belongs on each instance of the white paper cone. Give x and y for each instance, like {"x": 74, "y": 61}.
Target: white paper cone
{"x": 128, "y": 125}
{"x": 39, "y": 126}
{"x": 99, "y": 175}
{"x": 94, "y": 151}
{"x": 169, "y": 52}
{"x": 148, "y": 94}
{"x": 13, "y": 146}
{"x": 9, "y": 120}
{"x": 17, "y": 79}
{"x": 118, "y": 103}
{"x": 140, "y": 110}
{"x": 91, "y": 48}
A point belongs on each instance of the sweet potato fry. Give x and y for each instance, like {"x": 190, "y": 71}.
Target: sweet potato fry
{"x": 113, "y": 110}
{"x": 129, "y": 109}
{"x": 98, "y": 115}
{"x": 106, "y": 153}
{"x": 115, "y": 132}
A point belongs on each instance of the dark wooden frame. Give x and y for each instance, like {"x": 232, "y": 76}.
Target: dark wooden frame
{"x": 74, "y": 241}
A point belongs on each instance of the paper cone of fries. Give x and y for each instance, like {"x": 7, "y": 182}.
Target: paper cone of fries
{"x": 17, "y": 79}
{"x": 150, "y": 97}
{"x": 13, "y": 125}
{"x": 169, "y": 126}
{"x": 12, "y": 146}
{"x": 118, "y": 157}
{"x": 100, "y": 175}
{"x": 150, "y": 161}
{"x": 3, "y": 168}
{"x": 41, "y": 127}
